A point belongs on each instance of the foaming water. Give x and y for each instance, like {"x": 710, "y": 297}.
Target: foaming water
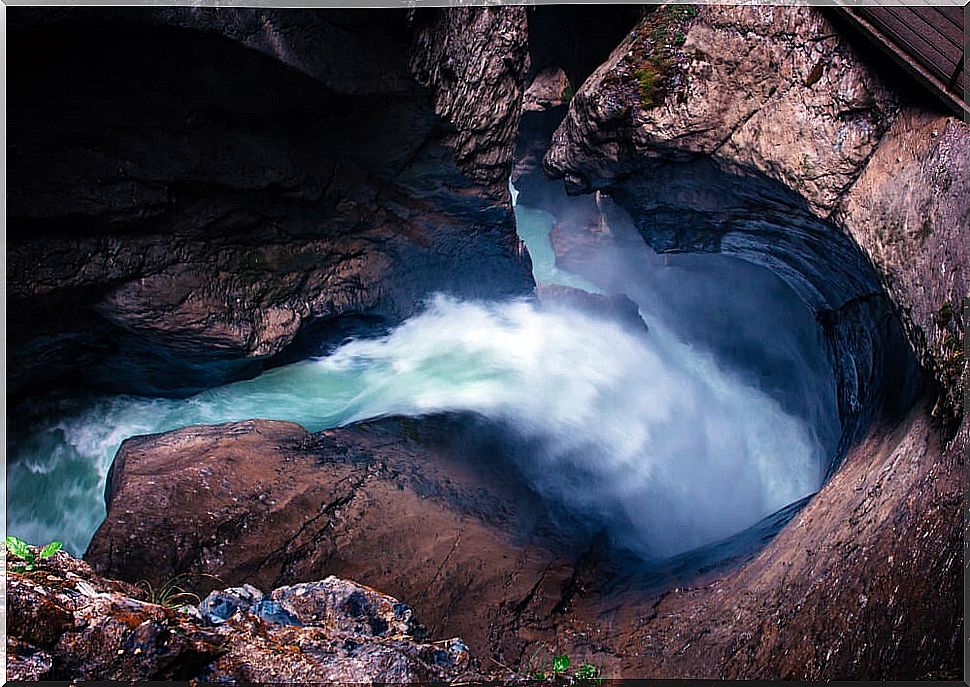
{"x": 670, "y": 447}
{"x": 655, "y": 439}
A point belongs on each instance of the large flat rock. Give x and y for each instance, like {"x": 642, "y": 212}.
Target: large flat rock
{"x": 422, "y": 510}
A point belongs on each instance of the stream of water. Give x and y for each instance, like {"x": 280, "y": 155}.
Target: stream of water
{"x": 644, "y": 430}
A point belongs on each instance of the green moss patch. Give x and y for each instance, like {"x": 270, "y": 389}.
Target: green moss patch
{"x": 657, "y": 60}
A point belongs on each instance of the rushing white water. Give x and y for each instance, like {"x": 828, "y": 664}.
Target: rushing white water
{"x": 638, "y": 429}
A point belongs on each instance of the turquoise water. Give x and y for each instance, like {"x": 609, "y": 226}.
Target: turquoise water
{"x": 656, "y": 427}
{"x": 533, "y": 226}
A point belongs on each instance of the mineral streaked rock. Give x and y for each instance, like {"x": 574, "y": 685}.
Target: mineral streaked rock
{"x": 67, "y": 622}
{"x": 220, "y": 605}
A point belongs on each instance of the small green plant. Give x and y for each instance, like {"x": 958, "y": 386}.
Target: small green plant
{"x": 679, "y": 38}
{"x": 587, "y": 672}
{"x": 560, "y": 664}
{"x": 21, "y": 549}
{"x": 169, "y": 593}
{"x": 557, "y": 670}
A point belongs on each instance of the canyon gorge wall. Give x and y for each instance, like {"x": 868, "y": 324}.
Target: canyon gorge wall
{"x": 763, "y": 133}
{"x": 197, "y": 193}
{"x": 768, "y": 134}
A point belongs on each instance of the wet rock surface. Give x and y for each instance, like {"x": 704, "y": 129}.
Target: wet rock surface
{"x": 247, "y": 184}
{"x": 864, "y": 582}
{"x": 849, "y": 587}
{"x": 426, "y": 510}
{"x": 909, "y": 211}
{"x": 67, "y": 622}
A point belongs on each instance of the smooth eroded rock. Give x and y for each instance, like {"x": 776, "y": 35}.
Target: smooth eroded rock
{"x": 428, "y": 510}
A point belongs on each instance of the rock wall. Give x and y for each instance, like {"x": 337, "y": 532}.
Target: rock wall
{"x": 566, "y": 43}
{"x": 761, "y": 132}
{"x": 198, "y": 193}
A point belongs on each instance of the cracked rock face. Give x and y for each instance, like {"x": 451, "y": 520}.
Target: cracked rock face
{"x": 750, "y": 86}
{"x": 66, "y": 622}
{"x": 244, "y": 185}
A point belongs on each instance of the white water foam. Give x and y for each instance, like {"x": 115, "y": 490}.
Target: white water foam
{"x": 646, "y": 433}
{"x": 664, "y": 437}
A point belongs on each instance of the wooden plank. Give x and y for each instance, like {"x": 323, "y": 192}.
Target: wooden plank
{"x": 922, "y": 19}
{"x": 860, "y": 19}
{"x": 954, "y": 15}
{"x": 926, "y": 33}
{"x": 955, "y": 79}
{"x": 912, "y": 43}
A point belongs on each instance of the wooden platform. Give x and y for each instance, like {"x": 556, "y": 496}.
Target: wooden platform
{"x": 927, "y": 41}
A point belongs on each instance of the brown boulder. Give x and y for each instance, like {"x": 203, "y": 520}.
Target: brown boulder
{"x": 420, "y": 509}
